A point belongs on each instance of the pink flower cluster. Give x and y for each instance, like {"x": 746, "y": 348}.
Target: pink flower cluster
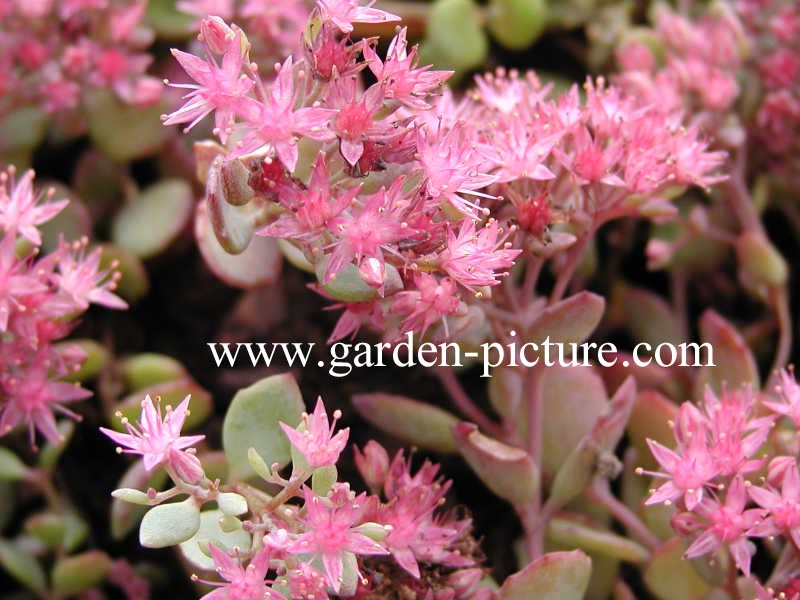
{"x": 424, "y": 199}
{"x": 51, "y": 51}
{"x": 40, "y": 299}
{"x": 725, "y": 490}
{"x": 335, "y": 542}
{"x": 774, "y": 27}
{"x": 699, "y": 69}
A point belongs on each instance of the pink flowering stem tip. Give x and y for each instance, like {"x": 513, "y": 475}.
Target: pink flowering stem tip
{"x": 158, "y": 439}
{"x": 315, "y": 439}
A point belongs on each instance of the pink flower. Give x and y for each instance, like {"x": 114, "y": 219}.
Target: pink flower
{"x": 80, "y": 279}
{"x": 734, "y": 435}
{"x": 33, "y": 397}
{"x": 306, "y": 583}
{"x": 343, "y": 13}
{"x": 276, "y": 122}
{"x": 314, "y": 437}
{"x": 16, "y": 281}
{"x": 20, "y": 208}
{"x": 417, "y": 533}
{"x": 399, "y": 75}
{"x": 356, "y": 120}
{"x": 453, "y": 167}
{"x": 788, "y": 402}
{"x": 429, "y": 303}
{"x": 729, "y": 524}
{"x": 478, "y": 259}
{"x": 309, "y": 210}
{"x": 221, "y": 88}
{"x": 688, "y": 470}
{"x": 331, "y": 531}
{"x": 784, "y": 508}
{"x": 367, "y": 233}
{"x": 244, "y": 583}
{"x": 158, "y": 439}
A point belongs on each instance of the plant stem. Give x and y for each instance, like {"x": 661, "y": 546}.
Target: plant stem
{"x": 568, "y": 270}
{"x": 532, "y": 392}
{"x": 780, "y": 304}
{"x": 460, "y": 398}
{"x": 600, "y": 493}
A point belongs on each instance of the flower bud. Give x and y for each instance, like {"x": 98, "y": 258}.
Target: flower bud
{"x": 760, "y": 261}
{"x": 684, "y": 523}
{"x": 373, "y": 464}
{"x": 186, "y": 466}
{"x": 374, "y": 531}
{"x": 132, "y": 496}
{"x": 216, "y": 34}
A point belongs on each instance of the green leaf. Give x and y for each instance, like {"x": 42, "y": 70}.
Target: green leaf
{"x": 125, "y": 516}
{"x": 252, "y": 422}
{"x": 413, "y": 422}
{"x": 168, "y": 22}
{"x": 594, "y": 454}
{"x": 75, "y": 574}
{"x": 232, "y": 504}
{"x": 573, "y": 398}
{"x": 97, "y": 357}
{"x": 508, "y": 471}
{"x": 348, "y": 286}
{"x": 11, "y": 467}
{"x": 670, "y": 577}
{"x": 454, "y": 37}
{"x": 575, "y": 535}
{"x": 169, "y": 524}
{"x": 735, "y": 365}
{"x": 50, "y": 454}
{"x": 570, "y": 321}
{"x": 124, "y": 132}
{"x": 554, "y": 576}
{"x": 134, "y": 282}
{"x": 147, "y": 369}
{"x": 195, "y": 549}
{"x": 647, "y": 316}
{"x": 22, "y": 565}
{"x": 516, "y": 24}
{"x": 148, "y": 223}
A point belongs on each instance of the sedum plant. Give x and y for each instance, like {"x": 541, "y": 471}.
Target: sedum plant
{"x": 505, "y": 219}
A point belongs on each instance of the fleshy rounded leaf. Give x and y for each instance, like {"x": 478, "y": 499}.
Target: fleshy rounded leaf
{"x": 670, "y": 577}
{"x": 210, "y": 531}
{"x": 124, "y": 515}
{"x": 554, "y": 576}
{"x": 169, "y": 524}
{"x": 570, "y": 321}
{"x": 11, "y": 467}
{"x": 134, "y": 282}
{"x": 124, "y": 132}
{"x": 516, "y": 24}
{"x": 454, "y": 38}
{"x": 148, "y": 223}
{"x": 735, "y": 365}
{"x": 258, "y": 264}
{"x": 573, "y": 398}
{"x": 75, "y": 574}
{"x": 22, "y": 565}
{"x": 97, "y": 356}
{"x": 144, "y": 370}
{"x": 252, "y": 421}
{"x": 508, "y": 471}
{"x": 413, "y": 422}
{"x": 232, "y": 504}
